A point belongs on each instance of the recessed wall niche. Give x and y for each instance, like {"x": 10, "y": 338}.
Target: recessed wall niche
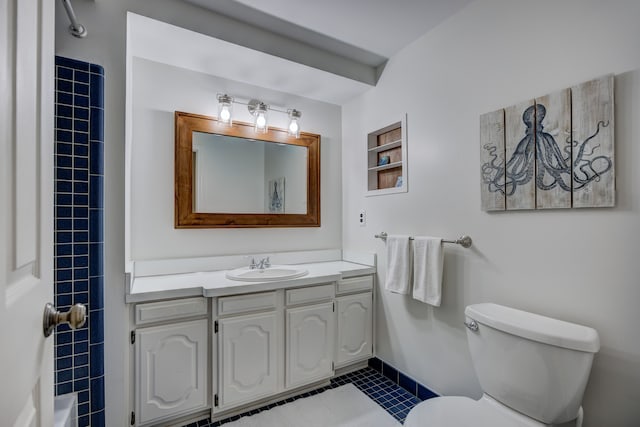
{"x": 387, "y": 159}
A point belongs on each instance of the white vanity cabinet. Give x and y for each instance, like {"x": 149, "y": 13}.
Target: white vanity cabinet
{"x": 310, "y": 335}
{"x": 248, "y": 348}
{"x": 222, "y": 354}
{"x": 171, "y": 360}
{"x": 354, "y": 311}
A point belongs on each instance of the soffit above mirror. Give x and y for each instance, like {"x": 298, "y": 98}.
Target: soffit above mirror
{"x": 168, "y": 44}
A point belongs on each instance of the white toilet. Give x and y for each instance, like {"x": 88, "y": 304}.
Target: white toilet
{"x": 533, "y": 371}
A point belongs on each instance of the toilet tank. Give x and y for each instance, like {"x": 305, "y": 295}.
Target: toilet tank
{"x": 534, "y": 364}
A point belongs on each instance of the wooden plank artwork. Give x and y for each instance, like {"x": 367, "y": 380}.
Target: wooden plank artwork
{"x": 553, "y": 150}
{"x": 492, "y": 160}
{"x": 520, "y": 187}
{"x": 593, "y": 139}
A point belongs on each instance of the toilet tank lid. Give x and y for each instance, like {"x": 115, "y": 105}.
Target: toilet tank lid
{"x": 535, "y": 327}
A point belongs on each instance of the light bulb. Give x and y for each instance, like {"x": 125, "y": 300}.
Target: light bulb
{"x": 294, "y": 126}
{"x": 259, "y": 110}
{"x": 225, "y": 114}
{"x": 225, "y": 109}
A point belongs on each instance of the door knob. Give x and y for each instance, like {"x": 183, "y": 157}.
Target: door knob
{"x": 75, "y": 317}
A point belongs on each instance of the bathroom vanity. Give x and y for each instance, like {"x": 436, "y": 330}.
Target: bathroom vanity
{"x": 206, "y": 345}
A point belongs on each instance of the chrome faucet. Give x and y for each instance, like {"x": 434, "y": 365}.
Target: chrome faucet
{"x": 262, "y": 264}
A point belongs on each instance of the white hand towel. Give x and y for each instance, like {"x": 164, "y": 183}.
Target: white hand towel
{"x": 398, "y": 264}
{"x": 428, "y": 260}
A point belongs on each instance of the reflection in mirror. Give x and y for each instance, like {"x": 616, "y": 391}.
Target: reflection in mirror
{"x": 239, "y": 175}
{"x": 231, "y": 176}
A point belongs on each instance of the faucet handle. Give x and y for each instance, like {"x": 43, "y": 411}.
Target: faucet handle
{"x": 253, "y": 265}
{"x": 267, "y": 263}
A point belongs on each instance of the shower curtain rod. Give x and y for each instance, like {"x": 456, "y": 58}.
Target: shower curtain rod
{"x": 76, "y": 29}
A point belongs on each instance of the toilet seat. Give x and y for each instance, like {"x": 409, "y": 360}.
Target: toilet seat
{"x": 464, "y": 412}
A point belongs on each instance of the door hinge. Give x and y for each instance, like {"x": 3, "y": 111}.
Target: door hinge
{"x": 215, "y": 400}
{"x": 133, "y": 418}
{"x": 215, "y": 327}
{"x": 133, "y": 337}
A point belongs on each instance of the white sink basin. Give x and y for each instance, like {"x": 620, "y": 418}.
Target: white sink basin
{"x": 275, "y": 272}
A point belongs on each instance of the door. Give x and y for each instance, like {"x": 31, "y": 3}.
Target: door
{"x": 355, "y": 338}
{"x": 171, "y": 364}
{"x": 248, "y": 358}
{"x": 26, "y": 204}
{"x": 310, "y": 337}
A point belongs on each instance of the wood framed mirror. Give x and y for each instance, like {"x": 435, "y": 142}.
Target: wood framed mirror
{"x": 232, "y": 176}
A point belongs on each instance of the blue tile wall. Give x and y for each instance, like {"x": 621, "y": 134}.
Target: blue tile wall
{"x": 79, "y": 231}
{"x": 401, "y": 379}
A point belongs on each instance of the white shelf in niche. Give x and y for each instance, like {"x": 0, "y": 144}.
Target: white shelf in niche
{"x": 390, "y": 140}
{"x": 387, "y": 146}
{"x": 385, "y": 167}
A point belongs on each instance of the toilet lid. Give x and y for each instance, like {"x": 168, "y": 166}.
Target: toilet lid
{"x": 461, "y": 412}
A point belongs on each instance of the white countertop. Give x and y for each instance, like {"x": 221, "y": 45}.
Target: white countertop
{"x": 215, "y": 283}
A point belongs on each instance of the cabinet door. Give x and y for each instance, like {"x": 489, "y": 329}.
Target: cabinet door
{"x": 354, "y": 328}
{"x": 248, "y": 358}
{"x": 171, "y": 366}
{"x": 310, "y": 344}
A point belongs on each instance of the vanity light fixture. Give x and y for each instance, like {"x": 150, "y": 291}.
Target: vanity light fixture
{"x": 225, "y": 109}
{"x": 259, "y": 110}
{"x": 294, "y": 125}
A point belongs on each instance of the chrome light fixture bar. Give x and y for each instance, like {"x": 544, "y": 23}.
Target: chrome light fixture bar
{"x": 260, "y": 111}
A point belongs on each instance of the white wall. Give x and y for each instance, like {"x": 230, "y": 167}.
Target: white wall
{"x": 106, "y": 45}
{"x": 577, "y": 265}
{"x": 153, "y": 235}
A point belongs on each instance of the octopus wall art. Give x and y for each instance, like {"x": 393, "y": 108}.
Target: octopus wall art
{"x": 525, "y": 165}
{"x": 275, "y": 195}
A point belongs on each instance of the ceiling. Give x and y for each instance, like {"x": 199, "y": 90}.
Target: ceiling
{"x": 327, "y": 50}
{"x": 366, "y": 31}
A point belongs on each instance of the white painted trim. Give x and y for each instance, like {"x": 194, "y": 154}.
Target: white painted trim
{"x": 405, "y": 162}
{"x": 128, "y": 143}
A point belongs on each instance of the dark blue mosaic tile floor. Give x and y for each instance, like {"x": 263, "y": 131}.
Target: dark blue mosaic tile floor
{"x": 391, "y": 397}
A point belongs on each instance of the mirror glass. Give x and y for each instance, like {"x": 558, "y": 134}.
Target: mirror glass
{"x": 231, "y": 176}
{"x": 240, "y": 175}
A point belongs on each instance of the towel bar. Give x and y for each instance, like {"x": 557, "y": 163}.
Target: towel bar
{"x": 464, "y": 241}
